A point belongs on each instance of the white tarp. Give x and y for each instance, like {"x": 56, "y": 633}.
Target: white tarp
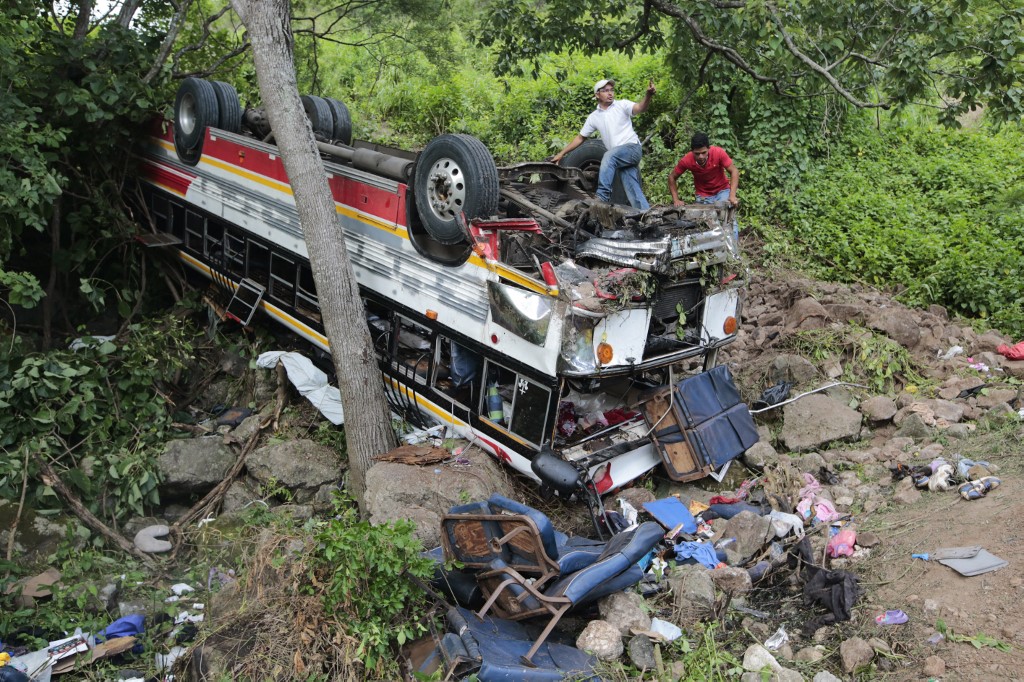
{"x": 310, "y": 382}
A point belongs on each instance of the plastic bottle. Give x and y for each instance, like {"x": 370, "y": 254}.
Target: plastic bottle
{"x": 494, "y": 409}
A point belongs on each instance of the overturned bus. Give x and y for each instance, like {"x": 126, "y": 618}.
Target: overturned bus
{"x": 507, "y": 303}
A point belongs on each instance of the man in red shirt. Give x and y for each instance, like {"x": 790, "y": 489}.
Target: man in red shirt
{"x": 709, "y": 166}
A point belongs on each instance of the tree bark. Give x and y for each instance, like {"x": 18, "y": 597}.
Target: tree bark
{"x": 367, "y": 417}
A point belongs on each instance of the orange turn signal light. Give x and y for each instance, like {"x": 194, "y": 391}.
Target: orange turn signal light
{"x": 730, "y": 325}
{"x": 431, "y": 314}
{"x": 604, "y": 353}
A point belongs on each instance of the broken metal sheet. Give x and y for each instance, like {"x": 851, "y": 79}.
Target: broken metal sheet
{"x": 649, "y": 256}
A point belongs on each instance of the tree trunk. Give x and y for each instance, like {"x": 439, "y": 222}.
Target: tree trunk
{"x": 367, "y": 418}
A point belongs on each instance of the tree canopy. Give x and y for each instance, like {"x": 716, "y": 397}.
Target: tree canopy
{"x": 956, "y": 55}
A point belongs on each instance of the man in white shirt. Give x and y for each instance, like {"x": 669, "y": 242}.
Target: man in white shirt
{"x": 613, "y": 119}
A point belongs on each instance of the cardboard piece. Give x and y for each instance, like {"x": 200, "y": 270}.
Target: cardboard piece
{"x": 982, "y": 561}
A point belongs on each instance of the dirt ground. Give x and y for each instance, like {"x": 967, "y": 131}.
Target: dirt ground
{"x": 928, "y": 592}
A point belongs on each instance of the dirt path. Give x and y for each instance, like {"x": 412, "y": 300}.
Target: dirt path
{"x": 928, "y": 592}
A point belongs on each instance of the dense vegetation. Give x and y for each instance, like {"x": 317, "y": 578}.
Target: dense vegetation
{"x": 892, "y": 199}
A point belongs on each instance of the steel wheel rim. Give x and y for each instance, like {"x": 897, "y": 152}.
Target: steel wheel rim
{"x": 446, "y": 189}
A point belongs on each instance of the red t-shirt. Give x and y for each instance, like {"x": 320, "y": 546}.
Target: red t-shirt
{"x": 711, "y": 178}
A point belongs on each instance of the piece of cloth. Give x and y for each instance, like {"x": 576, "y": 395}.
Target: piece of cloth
{"x": 1014, "y": 352}
{"x": 711, "y": 178}
{"x": 309, "y": 381}
{"x": 128, "y": 626}
{"x": 783, "y": 524}
{"x": 614, "y": 123}
{"x": 722, "y": 499}
{"x": 702, "y": 552}
{"x": 623, "y": 160}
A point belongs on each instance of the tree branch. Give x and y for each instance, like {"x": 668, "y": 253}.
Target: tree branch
{"x": 727, "y": 52}
{"x": 818, "y": 68}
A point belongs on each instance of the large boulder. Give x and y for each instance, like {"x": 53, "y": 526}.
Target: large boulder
{"x": 302, "y": 466}
{"x": 425, "y": 493}
{"x": 693, "y": 593}
{"x": 193, "y": 465}
{"x": 817, "y": 420}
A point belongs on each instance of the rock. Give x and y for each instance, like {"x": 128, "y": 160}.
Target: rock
{"x": 641, "y": 653}
{"x": 677, "y": 670}
{"x": 855, "y": 653}
{"x": 995, "y": 397}
{"x": 878, "y": 409}
{"x": 806, "y": 314}
{"x": 960, "y": 431}
{"x": 809, "y": 654}
{"x": 735, "y": 581}
{"x": 946, "y": 409}
{"x": 906, "y": 493}
{"x": 867, "y": 539}
{"x": 424, "y": 494}
{"x": 130, "y": 607}
{"x": 297, "y": 512}
{"x": 602, "y": 639}
{"x": 300, "y": 465}
{"x": 817, "y": 420}
{"x": 238, "y": 497}
{"x": 751, "y": 533}
{"x": 792, "y": 368}
{"x": 879, "y": 645}
{"x": 934, "y": 667}
{"x": 757, "y": 658}
{"x": 760, "y": 455}
{"x": 693, "y": 593}
{"x": 636, "y": 496}
{"x": 898, "y": 324}
{"x": 826, "y": 676}
{"x": 625, "y": 610}
{"x": 914, "y": 426}
{"x": 193, "y": 465}
{"x": 1014, "y": 368}
{"x": 148, "y": 539}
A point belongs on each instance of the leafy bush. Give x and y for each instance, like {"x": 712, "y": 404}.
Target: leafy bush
{"x": 362, "y": 572}
{"x": 931, "y": 210}
{"x": 95, "y": 412}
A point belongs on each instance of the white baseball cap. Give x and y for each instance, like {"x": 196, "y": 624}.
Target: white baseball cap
{"x": 600, "y": 84}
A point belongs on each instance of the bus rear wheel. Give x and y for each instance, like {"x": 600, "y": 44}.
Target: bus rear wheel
{"x": 454, "y": 174}
{"x": 195, "y": 108}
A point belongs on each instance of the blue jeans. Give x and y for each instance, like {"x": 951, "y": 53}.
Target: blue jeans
{"x": 714, "y": 199}
{"x": 624, "y": 160}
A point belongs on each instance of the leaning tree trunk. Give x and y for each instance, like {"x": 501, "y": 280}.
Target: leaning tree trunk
{"x": 367, "y": 418}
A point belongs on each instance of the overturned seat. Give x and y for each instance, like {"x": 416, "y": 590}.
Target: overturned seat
{"x": 527, "y": 569}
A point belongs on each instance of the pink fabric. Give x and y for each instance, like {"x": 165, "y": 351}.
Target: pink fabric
{"x": 1015, "y": 352}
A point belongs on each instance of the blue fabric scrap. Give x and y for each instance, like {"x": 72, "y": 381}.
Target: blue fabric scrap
{"x": 702, "y": 552}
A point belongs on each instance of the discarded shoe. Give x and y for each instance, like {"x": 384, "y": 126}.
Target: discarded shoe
{"x": 973, "y": 490}
{"x": 896, "y": 617}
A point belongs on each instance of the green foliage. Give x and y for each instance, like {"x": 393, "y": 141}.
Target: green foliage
{"x": 932, "y": 210}
{"x": 95, "y": 412}
{"x": 363, "y": 573}
{"x": 888, "y": 55}
{"x": 708, "y": 658}
{"x": 977, "y": 641}
{"x": 867, "y": 358}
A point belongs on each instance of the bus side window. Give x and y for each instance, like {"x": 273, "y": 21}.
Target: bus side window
{"x": 415, "y": 347}
{"x": 515, "y": 402}
{"x": 456, "y": 371}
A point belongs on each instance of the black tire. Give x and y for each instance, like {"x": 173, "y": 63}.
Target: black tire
{"x": 587, "y": 157}
{"x": 195, "y": 108}
{"x": 342, "y": 121}
{"x": 230, "y": 110}
{"x": 319, "y": 114}
{"x": 454, "y": 174}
